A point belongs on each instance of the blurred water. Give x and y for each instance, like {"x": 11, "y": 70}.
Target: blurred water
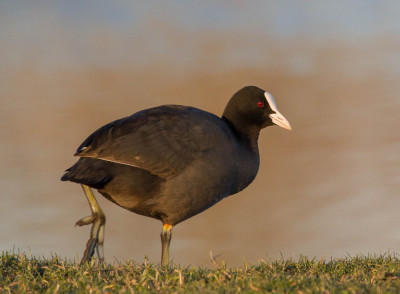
{"x": 327, "y": 188}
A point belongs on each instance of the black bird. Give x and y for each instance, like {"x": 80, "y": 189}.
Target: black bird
{"x": 172, "y": 162}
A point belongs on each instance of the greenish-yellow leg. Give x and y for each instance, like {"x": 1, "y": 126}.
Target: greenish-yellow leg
{"x": 98, "y": 221}
{"x": 166, "y": 235}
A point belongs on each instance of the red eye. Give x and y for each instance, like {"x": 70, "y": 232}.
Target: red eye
{"x": 260, "y": 104}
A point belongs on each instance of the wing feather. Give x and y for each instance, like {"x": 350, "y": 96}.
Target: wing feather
{"x": 162, "y": 140}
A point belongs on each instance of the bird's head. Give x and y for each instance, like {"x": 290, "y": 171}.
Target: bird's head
{"x": 252, "y": 107}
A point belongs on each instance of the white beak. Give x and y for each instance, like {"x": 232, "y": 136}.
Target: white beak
{"x": 278, "y": 119}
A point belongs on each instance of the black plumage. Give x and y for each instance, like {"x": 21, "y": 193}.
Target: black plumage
{"x": 172, "y": 162}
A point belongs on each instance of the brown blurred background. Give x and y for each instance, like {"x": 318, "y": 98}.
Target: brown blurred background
{"x": 328, "y": 188}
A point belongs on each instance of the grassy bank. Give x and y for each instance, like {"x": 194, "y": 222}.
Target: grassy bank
{"x": 20, "y": 273}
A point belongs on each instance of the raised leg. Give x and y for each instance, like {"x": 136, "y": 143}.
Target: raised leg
{"x": 98, "y": 221}
{"x": 166, "y": 235}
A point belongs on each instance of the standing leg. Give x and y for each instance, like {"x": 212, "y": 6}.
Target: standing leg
{"x": 166, "y": 235}
{"x": 98, "y": 221}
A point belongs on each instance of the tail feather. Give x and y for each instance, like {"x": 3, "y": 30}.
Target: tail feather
{"x": 88, "y": 171}
{"x": 65, "y": 175}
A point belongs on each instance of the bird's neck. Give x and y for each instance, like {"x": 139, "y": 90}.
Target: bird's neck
{"x": 248, "y": 134}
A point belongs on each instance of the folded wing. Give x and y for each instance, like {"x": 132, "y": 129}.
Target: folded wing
{"x": 161, "y": 140}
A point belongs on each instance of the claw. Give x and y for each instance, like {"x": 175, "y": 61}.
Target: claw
{"x": 89, "y": 251}
{"x": 100, "y": 243}
{"x": 98, "y": 220}
{"x": 85, "y": 221}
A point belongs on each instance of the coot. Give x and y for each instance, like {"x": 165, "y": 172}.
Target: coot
{"x": 172, "y": 162}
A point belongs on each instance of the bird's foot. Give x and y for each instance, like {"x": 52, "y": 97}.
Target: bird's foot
{"x": 96, "y": 240}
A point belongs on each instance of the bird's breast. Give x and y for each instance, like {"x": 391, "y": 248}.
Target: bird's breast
{"x": 247, "y": 169}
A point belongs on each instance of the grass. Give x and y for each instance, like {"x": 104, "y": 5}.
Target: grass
{"x": 372, "y": 274}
